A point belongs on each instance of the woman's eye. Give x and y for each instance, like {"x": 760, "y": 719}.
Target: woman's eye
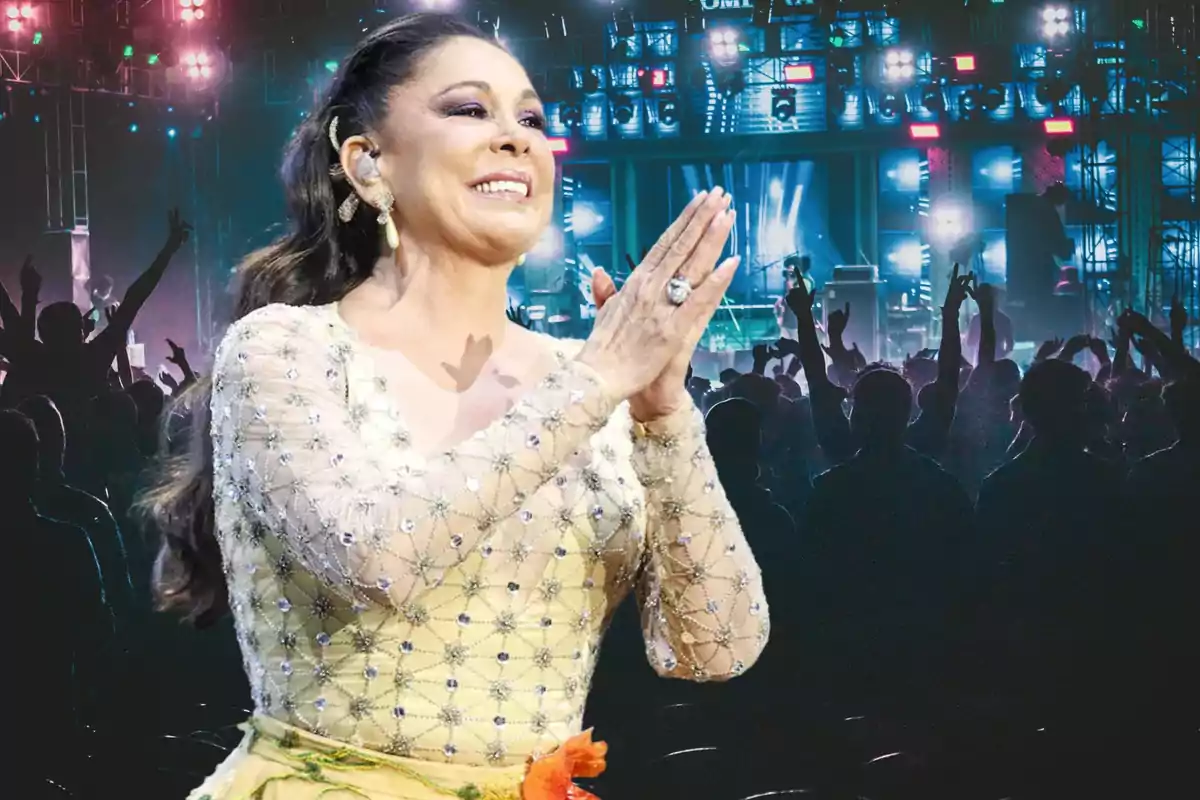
{"x": 478, "y": 112}
{"x": 535, "y": 121}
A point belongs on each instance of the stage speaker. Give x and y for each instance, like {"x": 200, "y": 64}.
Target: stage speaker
{"x": 861, "y": 288}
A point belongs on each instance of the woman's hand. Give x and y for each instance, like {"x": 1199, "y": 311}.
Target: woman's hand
{"x": 642, "y": 344}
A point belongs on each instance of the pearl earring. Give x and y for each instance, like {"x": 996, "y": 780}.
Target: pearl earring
{"x": 385, "y": 203}
{"x": 521, "y": 260}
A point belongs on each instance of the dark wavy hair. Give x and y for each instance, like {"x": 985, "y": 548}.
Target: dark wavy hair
{"x": 317, "y": 261}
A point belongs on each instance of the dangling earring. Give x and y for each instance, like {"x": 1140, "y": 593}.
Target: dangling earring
{"x": 348, "y": 208}
{"x": 521, "y": 260}
{"x": 385, "y": 204}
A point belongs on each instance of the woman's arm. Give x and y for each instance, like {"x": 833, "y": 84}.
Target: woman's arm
{"x": 704, "y": 616}
{"x": 288, "y": 448}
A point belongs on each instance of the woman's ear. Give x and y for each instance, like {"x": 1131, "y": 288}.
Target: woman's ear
{"x": 358, "y": 156}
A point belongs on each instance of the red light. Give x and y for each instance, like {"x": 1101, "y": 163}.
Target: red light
{"x": 964, "y": 63}
{"x": 924, "y": 131}
{"x": 1059, "y": 127}
{"x": 798, "y": 73}
{"x": 558, "y": 145}
{"x": 650, "y": 79}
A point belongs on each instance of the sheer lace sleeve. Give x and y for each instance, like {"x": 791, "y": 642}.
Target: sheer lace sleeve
{"x": 704, "y": 615}
{"x": 288, "y": 450}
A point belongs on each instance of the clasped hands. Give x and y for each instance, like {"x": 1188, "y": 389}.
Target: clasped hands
{"x": 641, "y": 343}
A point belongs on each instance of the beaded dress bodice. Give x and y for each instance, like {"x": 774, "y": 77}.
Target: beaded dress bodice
{"x": 452, "y": 606}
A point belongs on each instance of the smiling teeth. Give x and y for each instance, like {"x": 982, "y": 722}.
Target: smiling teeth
{"x": 495, "y": 187}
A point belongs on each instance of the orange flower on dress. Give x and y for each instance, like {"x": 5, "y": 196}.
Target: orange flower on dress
{"x": 549, "y": 777}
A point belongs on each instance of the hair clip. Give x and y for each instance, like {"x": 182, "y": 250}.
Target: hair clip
{"x": 333, "y": 137}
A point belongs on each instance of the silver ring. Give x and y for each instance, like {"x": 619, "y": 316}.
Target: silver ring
{"x": 678, "y": 290}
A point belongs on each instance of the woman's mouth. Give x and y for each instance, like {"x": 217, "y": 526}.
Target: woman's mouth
{"x": 503, "y": 190}
{"x": 512, "y": 185}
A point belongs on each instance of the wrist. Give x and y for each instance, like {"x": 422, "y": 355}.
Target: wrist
{"x": 655, "y": 415}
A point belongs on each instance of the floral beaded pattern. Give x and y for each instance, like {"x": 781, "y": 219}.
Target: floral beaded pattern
{"x": 451, "y": 606}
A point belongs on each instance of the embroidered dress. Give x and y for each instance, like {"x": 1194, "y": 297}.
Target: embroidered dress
{"x": 447, "y": 609}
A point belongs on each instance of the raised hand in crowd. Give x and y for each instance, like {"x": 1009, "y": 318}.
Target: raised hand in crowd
{"x": 1049, "y": 349}
{"x": 519, "y": 315}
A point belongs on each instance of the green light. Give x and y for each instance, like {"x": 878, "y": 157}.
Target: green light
{"x": 1140, "y": 24}
{"x": 128, "y": 51}
{"x": 331, "y": 66}
{"x": 37, "y": 37}
{"x": 837, "y": 41}
{"x": 152, "y": 59}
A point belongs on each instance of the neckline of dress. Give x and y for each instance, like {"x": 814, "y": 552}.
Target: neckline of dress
{"x": 337, "y": 322}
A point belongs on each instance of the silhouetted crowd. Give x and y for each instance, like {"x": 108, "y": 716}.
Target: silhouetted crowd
{"x": 962, "y": 555}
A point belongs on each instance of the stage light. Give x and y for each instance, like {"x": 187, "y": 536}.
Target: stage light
{"x": 152, "y": 59}
{"x": 783, "y": 103}
{"x": 622, "y": 109}
{"x": 898, "y": 66}
{"x": 964, "y": 63}
{"x": 191, "y": 10}
{"x": 892, "y": 104}
{"x": 908, "y": 258}
{"x": 570, "y": 114}
{"x": 1052, "y": 90}
{"x": 924, "y": 131}
{"x": 1056, "y": 21}
{"x": 133, "y": 128}
{"x": 991, "y": 97}
{"x": 798, "y": 73}
{"x": 127, "y": 52}
{"x": 668, "y": 110}
{"x": 949, "y": 223}
{"x": 730, "y": 82}
{"x": 651, "y": 79}
{"x": 331, "y": 66}
{"x": 1000, "y": 170}
{"x": 933, "y": 100}
{"x": 723, "y": 45}
{"x": 585, "y": 220}
{"x": 1059, "y": 127}
{"x": 172, "y": 133}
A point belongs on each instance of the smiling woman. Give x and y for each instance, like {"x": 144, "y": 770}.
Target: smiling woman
{"x": 421, "y": 514}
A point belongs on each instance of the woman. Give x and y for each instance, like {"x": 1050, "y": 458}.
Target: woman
{"x": 423, "y": 513}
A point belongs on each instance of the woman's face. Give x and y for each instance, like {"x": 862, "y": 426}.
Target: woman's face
{"x": 465, "y": 153}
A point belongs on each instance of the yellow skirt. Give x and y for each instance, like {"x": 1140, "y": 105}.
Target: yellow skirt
{"x": 277, "y": 761}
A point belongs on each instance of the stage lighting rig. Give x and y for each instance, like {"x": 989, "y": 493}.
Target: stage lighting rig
{"x": 19, "y": 16}
{"x": 783, "y": 103}
{"x": 1056, "y": 22}
{"x": 899, "y": 66}
{"x": 570, "y": 114}
{"x": 892, "y": 104}
{"x": 651, "y": 79}
{"x": 622, "y": 109}
{"x": 762, "y": 13}
{"x": 724, "y": 46}
{"x": 668, "y": 109}
{"x": 933, "y": 99}
{"x": 191, "y": 11}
